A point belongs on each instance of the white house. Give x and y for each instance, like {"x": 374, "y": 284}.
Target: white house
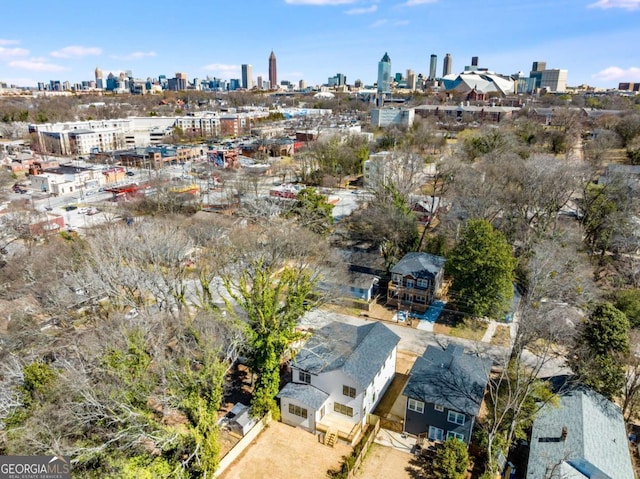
{"x": 338, "y": 378}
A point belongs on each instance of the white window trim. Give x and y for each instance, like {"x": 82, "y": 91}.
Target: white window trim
{"x": 415, "y": 405}
{"x": 457, "y": 435}
{"x": 456, "y": 416}
{"x": 438, "y": 407}
{"x": 302, "y": 375}
{"x": 438, "y": 434}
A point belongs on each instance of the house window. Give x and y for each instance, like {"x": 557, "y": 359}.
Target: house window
{"x": 349, "y": 391}
{"x": 456, "y": 418}
{"x": 457, "y": 435}
{"x": 423, "y": 283}
{"x": 298, "y": 411}
{"x": 397, "y": 279}
{"x": 410, "y": 283}
{"x": 438, "y": 407}
{"x": 342, "y": 409}
{"x": 435, "y": 433}
{"x": 304, "y": 377}
{"x": 415, "y": 405}
{"x": 419, "y": 299}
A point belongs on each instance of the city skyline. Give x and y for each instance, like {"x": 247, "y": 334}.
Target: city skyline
{"x": 312, "y": 39}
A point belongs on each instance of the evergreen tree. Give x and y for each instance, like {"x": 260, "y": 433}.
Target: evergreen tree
{"x": 482, "y": 269}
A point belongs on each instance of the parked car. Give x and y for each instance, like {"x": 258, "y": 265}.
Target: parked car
{"x": 130, "y": 173}
{"x": 70, "y": 207}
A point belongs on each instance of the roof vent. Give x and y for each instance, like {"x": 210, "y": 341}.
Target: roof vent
{"x": 563, "y": 436}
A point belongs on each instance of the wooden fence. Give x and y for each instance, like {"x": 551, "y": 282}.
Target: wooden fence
{"x": 242, "y": 444}
{"x": 372, "y": 421}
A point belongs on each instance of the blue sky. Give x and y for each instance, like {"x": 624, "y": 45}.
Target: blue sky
{"x": 42, "y": 40}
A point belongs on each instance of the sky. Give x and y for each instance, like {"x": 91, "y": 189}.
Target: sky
{"x": 41, "y": 40}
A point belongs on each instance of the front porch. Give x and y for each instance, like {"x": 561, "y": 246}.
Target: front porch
{"x": 340, "y": 426}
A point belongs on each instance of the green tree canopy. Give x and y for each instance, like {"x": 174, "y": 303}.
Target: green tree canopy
{"x": 451, "y": 460}
{"x": 600, "y": 349}
{"x": 313, "y": 211}
{"x": 628, "y": 301}
{"x": 482, "y": 269}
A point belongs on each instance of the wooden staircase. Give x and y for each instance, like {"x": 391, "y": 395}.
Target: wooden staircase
{"x": 330, "y": 438}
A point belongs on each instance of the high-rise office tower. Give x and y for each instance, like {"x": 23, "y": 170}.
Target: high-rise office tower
{"x": 536, "y": 73}
{"x": 384, "y": 74}
{"x": 475, "y": 61}
{"x": 181, "y": 81}
{"x": 273, "y": 71}
{"x": 260, "y": 84}
{"x": 433, "y": 64}
{"x": 411, "y": 80}
{"x": 447, "y": 64}
{"x": 247, "y": 77}
{"x": 99, "y": 83}
{"x": 539, "y": 66}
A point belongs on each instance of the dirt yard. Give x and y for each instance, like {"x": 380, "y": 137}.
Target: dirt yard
{"x": 388, "y": 463}
{"x": 285, "y": 452}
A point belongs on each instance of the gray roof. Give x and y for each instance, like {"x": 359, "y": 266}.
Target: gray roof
{"x": 595, "y": 440}
{"x": 449, "y": 377}
{"x": 359, "y": 351}
{"x": 419, "y": 265}
{"x": 304, "y": 393}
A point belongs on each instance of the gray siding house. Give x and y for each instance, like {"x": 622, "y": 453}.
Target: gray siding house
{"x": 584, "y": 436}
{"x": 338, "y": 378}
{"x": 415, "y": 280}
{"x": 444, "y": 393}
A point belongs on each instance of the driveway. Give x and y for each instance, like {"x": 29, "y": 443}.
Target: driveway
{"x": 286, "y": 452}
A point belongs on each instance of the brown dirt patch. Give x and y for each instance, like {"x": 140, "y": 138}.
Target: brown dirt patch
{"x": 286, "y": 452}
{"x": 388, "y": 463}
{"x": 502, "y": 336}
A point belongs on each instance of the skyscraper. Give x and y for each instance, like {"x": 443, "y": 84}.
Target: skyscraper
{"x": 247, "y": 77}
{"x": 411, "y": 80}
{"x": 260, "y": 84}
{"x": 99, "y": 83}
{"x": 384, "y": 74}
{"x": 536, "y": 73}
{"x": 447, "y": 64}
{"x": 433, "y": 64}
{"x": 273, "y": 71}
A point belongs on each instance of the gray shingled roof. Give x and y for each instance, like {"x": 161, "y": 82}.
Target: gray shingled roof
{"x": 595, "y": 444}
{"x": 449, "y": 377}
{"x": 419, "y": 265}
{"x": 304, "y": 393}
{"x": 359, "y": 351}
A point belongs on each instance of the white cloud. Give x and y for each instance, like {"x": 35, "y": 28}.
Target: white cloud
{"x": 319, "y": 2}
{"x": 611, "y": 74}
{"x": 223, "y": 70}
{"x": 134, "y": 56}
{"x": 76, "y": 51}
{"x": 4, "y": 41}
{"x": 413, "y": 3}
{"x": 6, "y": 53}
{"x": 625, "y": 4}
{"x": 36, "y": 65}
{"x": 360, "y": 11}
{"x": 378, "y": 23}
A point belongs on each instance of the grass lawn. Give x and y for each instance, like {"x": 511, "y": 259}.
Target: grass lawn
{"x": 456, "y": 325}
{"x": 502, "y": 336}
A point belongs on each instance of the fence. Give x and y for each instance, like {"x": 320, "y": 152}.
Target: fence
{"x": 375, "y": 422}
{"x": 242, "y": 444}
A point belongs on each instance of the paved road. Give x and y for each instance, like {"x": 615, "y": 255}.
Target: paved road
{"x": 416, "y": 341}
